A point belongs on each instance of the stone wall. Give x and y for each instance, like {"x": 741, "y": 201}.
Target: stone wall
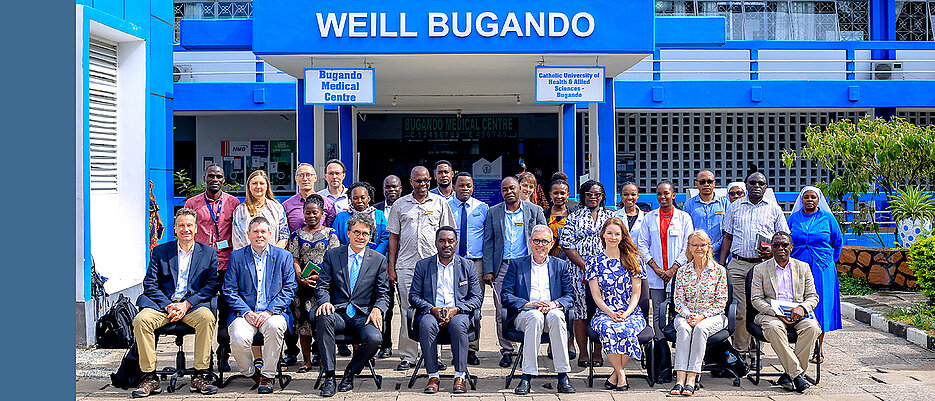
{"x": 884, "y": 267}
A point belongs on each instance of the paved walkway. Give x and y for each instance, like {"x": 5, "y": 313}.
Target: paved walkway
{"x": 861, "y": 363}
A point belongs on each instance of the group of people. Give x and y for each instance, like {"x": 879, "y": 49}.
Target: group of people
{"x": 322, "y": 263}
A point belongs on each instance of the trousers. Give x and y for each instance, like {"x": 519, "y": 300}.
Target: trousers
{"x": 242, "y": 333}
{"x": 148, "y": 320}
{"x": 691, "y": 342}
{"x": 533, "y": 323}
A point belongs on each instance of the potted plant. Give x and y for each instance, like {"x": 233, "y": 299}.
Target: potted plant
{"x": 913, "y": 210}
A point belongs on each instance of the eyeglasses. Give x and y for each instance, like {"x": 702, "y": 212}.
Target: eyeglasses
{"x": 593, "y": 194}
{"x": 540, "y": 241}
{"x": 358, "y": 233}
{"x": 781, "y": 245}
{"x": 705, "y": 182}
{"x": 698, "y": 245}
{"x": 422, "y": 181}
{"x": 305, "y": 175}
{"x": 334, "y": 173}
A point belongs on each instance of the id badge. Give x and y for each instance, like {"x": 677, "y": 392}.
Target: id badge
{"x": 675, "y": 231}
{"x": 222, "y": 244}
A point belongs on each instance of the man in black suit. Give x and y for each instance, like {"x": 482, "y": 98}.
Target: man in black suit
{"x": 353, "y": 294}
{"x": 181, "y": 280}
{"x": 445, "y": 289}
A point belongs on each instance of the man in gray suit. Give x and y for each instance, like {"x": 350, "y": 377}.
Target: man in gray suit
{"x": 445, "y": 289}
{"x": 353, "y": 294}
{"x": 506, "y": 230}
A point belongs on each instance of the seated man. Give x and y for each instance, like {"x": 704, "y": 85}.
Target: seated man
{"x": 353, "y": 293}
{"x": 181, "y": 280}
{"x": 537, "y": 290}
{"x": 445, "y": 289}
{"x": 790, "y": 280}
{"x": 259, "y": 286}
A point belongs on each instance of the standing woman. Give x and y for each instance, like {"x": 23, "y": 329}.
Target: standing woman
{"x": 361, "y": 195}
{"x": 736, "y": 190}
{"x": 557, "y": 215}
{"x": 614, "y": 278}
{"x": 530, "y": 190}
{"x": 581, "y": 240}
{"x": 630, "y": 213}
{"x": 817, "y": 240}
{"x": 260, "y": 202}
{"x": 308, "y": 244}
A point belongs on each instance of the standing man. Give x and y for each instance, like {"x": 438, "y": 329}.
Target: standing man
{"x": 746, "y": 219}
{"x": 507, "y": 228}
{"x": 537, "y": 291}
{"x": 181, "y": 280}
{"x": 353, "y": 293}
{"x": 469, "y": 214}
{"x": 215, "y": 211}
{"x": 707, "y": 209}
{"x": 443, "y": 174}
{"x": 445, "y": 289}
{"x": 259, "y": 287}
{"x": 305, "y": 179}
{"x": 412, "y": 223}
{"x": 336, "y": 191}
{"x": 392, "y": 189}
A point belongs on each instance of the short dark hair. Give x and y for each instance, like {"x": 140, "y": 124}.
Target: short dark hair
{"x": 558, "y": 182}
{"x": 338, "y": 162}
{"x": 186, "y": 212}
{"x": 667, "y": 182}
{"x": 257, "y": 220}
{"x": 445, "y": 228}
{"x": 463, "y": 174}
{"x": 314, "y": 199}
{"x": 361, "y": 184}
{"x": 443, "y": 161}
{"x": 781, "y": 234}
{"x": 213, "y": 165}
{"x": 625, "y": 183}
{"x": 361, "y": 218}
{"x": 559, "y": 176}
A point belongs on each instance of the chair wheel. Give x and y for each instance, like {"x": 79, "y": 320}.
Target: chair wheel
{"x": 736, "y": 382}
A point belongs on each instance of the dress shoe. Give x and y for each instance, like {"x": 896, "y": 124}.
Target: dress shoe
{"x": 432, "y": 386}
{"x": 608, "y": 385}
{"x": 442, "y": 365}
{"x": 472, "y": 358}
{"x": 150, "y": 385}
{"x": 506, "y": 361}
{"x": 785, "y": 382}
{"x": 291, "y": 359}
{"x": 458, "y": 386}
{"x": 347, "y": 382}
{"x": 523, "y": 387}
{"x": 385, "y": 353}
{"x": 564, "y": 385}
{"x": 800, "y": 383}
{"x": 404, "y": 365}
{"x": 327, "y": 388}
{"x": 265, "y": 385}
{"x": 343, "y": 350}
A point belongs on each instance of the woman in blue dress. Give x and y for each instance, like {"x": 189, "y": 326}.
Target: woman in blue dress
{"x": 817, "y": 240}
{"x": 614, "y": 281}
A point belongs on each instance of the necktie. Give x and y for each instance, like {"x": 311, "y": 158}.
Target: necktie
{"x": 355, "y": 271}
{"x": 462, "y": 244}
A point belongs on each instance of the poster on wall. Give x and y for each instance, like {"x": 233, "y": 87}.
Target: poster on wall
{"x": 487, "y": 175}
{"x": 259, "y": 154}
{"x": 233, "y": 154}
{"x": 281, "y": 165}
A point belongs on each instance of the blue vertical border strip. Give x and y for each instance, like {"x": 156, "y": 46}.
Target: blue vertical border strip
{"x": 305, "y": 128}
{"x": 346, "y": 141}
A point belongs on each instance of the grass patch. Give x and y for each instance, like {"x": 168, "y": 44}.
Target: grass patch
{"x": 920, "y": 316}
{"x": 854, "y": 286}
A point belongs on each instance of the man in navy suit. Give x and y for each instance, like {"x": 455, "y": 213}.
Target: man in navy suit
{"x": 353, "y": 293}
{"x": 507, "y": 227}
{"x": 259, "y": 286}
{"x": 445, "y": 289}
{"x": 537, "y": 290}
{"x": 181, "y": 280}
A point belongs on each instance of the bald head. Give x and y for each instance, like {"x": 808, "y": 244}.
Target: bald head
{"x": 420, "y": 180}
{"x": 756, "y": 187}
{"x": 705, "y": 183}
{"x": 509, "y": 188}
{"x": 392, "y": 188}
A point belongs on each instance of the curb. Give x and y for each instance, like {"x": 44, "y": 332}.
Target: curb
{"x": 879, "y": 322}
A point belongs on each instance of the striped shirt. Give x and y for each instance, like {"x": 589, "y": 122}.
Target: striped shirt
{"x": 416, "y": 223}
{"x": 744, "y": 220}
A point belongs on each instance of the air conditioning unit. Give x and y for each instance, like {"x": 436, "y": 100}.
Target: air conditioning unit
{"x": 182, "y": 73}
{"x": 887, "y": 70}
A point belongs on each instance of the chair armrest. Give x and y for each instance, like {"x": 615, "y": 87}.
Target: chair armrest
{"x": 668, "y": 313}
{"x": 731, "y": 315}
{"x": 410, "y": 318}
{"x": 213, "y": 305}
{"x": 475, "y": 320}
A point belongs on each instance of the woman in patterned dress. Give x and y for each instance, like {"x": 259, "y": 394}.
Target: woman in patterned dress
{"x": 614, "y": 277}
{"x": 581, "y": 240}
{"x": 699, "y": 300}
{"x": 308, "y": 244}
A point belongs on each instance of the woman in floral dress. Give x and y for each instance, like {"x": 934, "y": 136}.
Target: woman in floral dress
{"x": 614, "y": 280}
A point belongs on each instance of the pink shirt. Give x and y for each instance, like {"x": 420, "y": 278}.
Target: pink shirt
{"x": 208, "y": 233}
{"x": 784, "y": 282}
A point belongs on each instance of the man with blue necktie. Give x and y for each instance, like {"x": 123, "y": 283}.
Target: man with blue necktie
{"x": 353, "y": 294}
{"x": 470, "y": 213}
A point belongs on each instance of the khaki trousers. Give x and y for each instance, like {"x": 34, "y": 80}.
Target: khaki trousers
{"x": 148, "y": 320}
{"x": 776, "y": 332}
{"x": 242, "y": 333}
{"x": 738, "y": 275}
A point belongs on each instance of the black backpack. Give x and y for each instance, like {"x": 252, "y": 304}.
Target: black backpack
{"x": 128, "y": 375}
{"x": 115, "y": 328}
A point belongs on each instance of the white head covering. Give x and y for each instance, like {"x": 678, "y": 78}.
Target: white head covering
{"x": 822, "y": 203}
{"x": 737, "y": 184}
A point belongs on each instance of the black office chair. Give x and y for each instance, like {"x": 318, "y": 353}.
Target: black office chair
{"x": 444, "y": 338}
{"x": 350, "y": 337}
{"x": 756, "y": 332}
{"x": 716, "y": 340}
{"x": 645, "y": 338}
{"x": 180, "y": 330}
{"x": 511, "y": 333}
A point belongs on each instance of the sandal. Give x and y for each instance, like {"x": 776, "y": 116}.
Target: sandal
{"x": 688, "y": 390}
{"x": 304, "y": 369}
{"x": 818, "y": 357}
{"x": 676, "y": 390}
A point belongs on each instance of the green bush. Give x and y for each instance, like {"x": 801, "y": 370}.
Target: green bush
{"x": 920, "y": 316}
{"x": 922, "y": 262}
{"x": 854, "y": 286}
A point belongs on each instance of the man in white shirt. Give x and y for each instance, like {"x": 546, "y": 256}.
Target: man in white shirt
{"x": 336, "y": 191}
{"x": 537, "y": 290}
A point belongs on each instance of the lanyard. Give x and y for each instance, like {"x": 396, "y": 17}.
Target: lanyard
{"x": 213, "y": 217}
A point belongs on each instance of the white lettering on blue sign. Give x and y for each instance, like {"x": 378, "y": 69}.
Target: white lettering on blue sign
{"x": 339, "y": 86}
{"x": 570, "y": 84}
{"x": 486, "y": 24}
